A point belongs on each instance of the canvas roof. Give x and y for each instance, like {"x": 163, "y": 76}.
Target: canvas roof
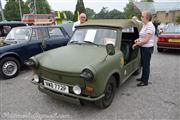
{"x": 120, "y": 23}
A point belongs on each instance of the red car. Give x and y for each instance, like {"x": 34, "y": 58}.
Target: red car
{"x": 169, "y": 39}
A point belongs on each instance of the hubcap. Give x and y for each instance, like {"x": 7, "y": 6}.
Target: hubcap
{"x": 9, "y": 68}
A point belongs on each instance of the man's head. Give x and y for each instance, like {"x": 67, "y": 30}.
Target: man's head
{"x": 82, "y": 18}
{"x": 146, "y": 16}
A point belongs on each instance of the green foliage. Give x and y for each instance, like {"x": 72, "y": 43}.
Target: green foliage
{"x": 102, "y": 14}
{"x": 12, "y": 12}
{"x": 90, "y": 13}
{"x": 178, "y": 19}
{"x": 69, "y": 15}
{"x": 106, "y": 14}
{"x": 115, "y": 14}
{"x": 42, "y": 6}
{"x": 130, "y": 10}
{"x": 79, "y": 9}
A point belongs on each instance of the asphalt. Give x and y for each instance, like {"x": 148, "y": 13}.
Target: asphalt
{"x": 160, "y": 100}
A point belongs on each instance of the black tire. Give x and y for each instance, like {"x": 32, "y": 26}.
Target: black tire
{"x": 160, "y": 49}
{"x": 9, "y": 67}
{"x": 109, "y": 92}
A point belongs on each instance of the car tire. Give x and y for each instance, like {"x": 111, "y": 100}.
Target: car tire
{"x": 109, "y": 92}
{"x": 9, "y": 67}
{"x": 160, "y": 49}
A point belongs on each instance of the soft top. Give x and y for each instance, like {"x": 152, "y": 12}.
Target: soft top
{"x": 120, "y": 23}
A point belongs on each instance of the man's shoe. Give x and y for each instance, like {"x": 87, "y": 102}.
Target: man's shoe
{"x": 138, "y": 79}
{"x": 142, "y": 84}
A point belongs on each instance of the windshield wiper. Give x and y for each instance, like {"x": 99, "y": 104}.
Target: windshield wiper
{"x": 91, "y": 43}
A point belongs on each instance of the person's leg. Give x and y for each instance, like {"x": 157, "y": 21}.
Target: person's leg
{"x": 146, "y": 63}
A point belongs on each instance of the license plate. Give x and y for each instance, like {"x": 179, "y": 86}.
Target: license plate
{"x": 56, "y": 87}
{"x": 174, "y": 40}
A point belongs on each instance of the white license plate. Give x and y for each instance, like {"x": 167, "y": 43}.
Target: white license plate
{"x": 56, "y": 87}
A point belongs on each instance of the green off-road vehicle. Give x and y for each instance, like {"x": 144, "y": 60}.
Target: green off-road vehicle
{"x": 98, "y": 59}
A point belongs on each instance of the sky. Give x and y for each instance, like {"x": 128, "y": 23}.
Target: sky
{"x": 97, "y": 5}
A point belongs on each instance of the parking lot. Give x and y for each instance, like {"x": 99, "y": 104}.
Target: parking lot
{"x": 21, "y": 100}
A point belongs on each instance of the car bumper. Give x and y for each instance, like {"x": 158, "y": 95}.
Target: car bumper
{"x": 67, "y": 97}
{"x": 169, "y": 45}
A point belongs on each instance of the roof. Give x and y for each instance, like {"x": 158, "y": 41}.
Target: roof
{"x": 120, "y": 23}
{"x": 154, "y": 7}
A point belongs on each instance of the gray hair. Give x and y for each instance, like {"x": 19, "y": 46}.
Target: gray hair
{"x": 148, "y": 15}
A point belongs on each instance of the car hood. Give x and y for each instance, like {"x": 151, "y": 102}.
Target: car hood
{"x": 72, "y": 58}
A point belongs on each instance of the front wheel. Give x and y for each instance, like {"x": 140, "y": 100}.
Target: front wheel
{"x": 109, "y": 94}
{"x": 9, "y": 67}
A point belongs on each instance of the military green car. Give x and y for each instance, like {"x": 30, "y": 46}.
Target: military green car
{"x": 98, "y": 59}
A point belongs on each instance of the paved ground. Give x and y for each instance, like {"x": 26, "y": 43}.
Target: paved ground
{"x": 20, "y": 99}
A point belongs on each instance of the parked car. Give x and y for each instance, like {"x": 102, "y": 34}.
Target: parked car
{"x": 5, "y": 28}
{"x": 98, "y": 58}
{"x": 24, "y": 42}
{"x": 169, "y": 38}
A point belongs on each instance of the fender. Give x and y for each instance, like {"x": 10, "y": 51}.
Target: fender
{"x": 11, "y": 54}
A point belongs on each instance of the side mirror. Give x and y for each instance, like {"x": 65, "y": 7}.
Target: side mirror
{"x": 110, "y": 49}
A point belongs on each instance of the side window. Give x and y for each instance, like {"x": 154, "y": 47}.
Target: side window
{"x": 33, "y": 36}
{"x": 42, "y": 34}
{"x": 55, "y": 33}
{"x": 7, "y": 29}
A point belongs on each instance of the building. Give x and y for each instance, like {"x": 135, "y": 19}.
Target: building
{"x": 164, "y": 12}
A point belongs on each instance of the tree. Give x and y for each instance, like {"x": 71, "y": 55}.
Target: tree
{"x": 42, "y": 6}
{"x": 69, "y": 15}
{"x": 90, "y": 13}
{"x": 12, "y": 12}
{"x": 79, "y": 9}
{"x": 102, "y": 14}
{"x": 115, "y": 14}
{"x": 130, "y": 11}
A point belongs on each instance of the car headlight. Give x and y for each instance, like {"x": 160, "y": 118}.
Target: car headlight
{"x": 31, "y": 63}
{"x": 87, "y": 75}
{"x": 77, "y": 90}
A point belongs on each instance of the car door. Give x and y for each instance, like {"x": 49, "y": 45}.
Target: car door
{"x": 57, "y": 38}
{"x": 35, "y": 43}
{"x": 129, "y": 54}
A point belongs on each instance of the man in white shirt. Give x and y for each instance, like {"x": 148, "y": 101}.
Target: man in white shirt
{"x": 82, "y": 19}
{"x": 146, "y": 42}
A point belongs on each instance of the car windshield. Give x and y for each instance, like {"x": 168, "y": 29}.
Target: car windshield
{"x": 98, "y": 36}
{"x": 19, "y": 34}
{"x": 173, "y": 29}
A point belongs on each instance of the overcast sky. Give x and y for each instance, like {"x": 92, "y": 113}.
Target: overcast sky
{"x": 94, "y": 4}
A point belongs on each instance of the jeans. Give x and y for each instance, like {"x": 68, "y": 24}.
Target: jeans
{"x": 146, "y": 53}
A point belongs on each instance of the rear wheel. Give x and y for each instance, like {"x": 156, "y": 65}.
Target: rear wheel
{"x": 109, "y": 94}
{"x": 9, "y": 67}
